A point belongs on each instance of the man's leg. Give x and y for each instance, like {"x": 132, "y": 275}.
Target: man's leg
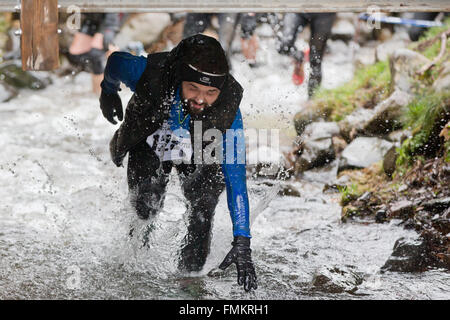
{"x": 321, "y": 24}
{"x": 414, "y": 31}
{"x": 228, "y": 23}
{"x": 147, "y": 180}
{"x": 293, "y": 23}
{"x": 202, "y": 189}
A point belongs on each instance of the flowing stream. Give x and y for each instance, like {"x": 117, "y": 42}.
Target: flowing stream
{"x": 64, "y": 213}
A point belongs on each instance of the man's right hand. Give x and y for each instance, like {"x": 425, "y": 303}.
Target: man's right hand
{"x": 111, "y": 106}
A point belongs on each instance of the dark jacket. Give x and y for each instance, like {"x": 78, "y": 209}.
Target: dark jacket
{"x": 150, "y": 104}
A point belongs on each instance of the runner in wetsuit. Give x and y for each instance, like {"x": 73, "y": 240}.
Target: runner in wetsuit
{"x": 174, "y": 93}
{"x": 320, "y": 24}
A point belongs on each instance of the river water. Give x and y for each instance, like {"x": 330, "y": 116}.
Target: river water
{"x": 64, "y": 214}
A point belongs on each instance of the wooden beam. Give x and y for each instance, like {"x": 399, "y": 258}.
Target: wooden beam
{"x": 245, "y": 5}
{"x": 39, "y": 37}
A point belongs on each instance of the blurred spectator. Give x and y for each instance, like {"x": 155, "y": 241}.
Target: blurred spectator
{"x": 320, "y": 24}
{"x": 415, "y": 31}
{"x": 93, "y": 43}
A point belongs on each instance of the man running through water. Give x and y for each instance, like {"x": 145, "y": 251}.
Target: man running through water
{"x": 178, "y": 97}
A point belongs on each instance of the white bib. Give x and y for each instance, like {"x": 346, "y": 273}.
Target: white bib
{"x": 170, "y": 146}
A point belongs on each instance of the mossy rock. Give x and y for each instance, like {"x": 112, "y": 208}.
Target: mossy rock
{"x": 349, "y": 212}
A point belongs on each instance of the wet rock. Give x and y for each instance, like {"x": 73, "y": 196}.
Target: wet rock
{"x": 446, "y": 214}
{"x": 362, "y": 152}
{"x": 408, "y": 224}
{"x": 399, "y": 136}
{"x": 7, "y": 92}
{"x": 380, "y": 216}
{"x": 404, "y": 64}
{"x": 365, "y": 197}
{"x": 266, "y": 162}
{"x": 349, "y": 212}
{"x": 339, "y": 144}
{"x": 332, "y": 188}
{"x": 387, "y": 48}
{"x": 286, "y": 189}
{"x": 317, "y": 145}
{"x": 289, "y": 190}
{"x": 12, "y": 74}
{"x": 408, "y": 256}
{"x": 389, "y": 161}
{"x": 337, "y": 280}
{"x": 402, "y": 209}
{"x": 354, "y": 123}
{"x": 437, "y": 205}
{"x": 386, "y": 115}
{"x": 382, "y": 119}
{"x": 306, "y": 116}
{"x": 442, "y": 225}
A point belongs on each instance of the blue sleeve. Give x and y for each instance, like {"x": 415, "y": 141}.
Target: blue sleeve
{"x": 233, "y": 169}
{"x": 123, "y": 67}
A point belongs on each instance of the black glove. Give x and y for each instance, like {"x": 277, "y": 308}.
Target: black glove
{"x": 116, "y": 157}
{"x": 111, "y": 106}
{"x": 240, "y": 254}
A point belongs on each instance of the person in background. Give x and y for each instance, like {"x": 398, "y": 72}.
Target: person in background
{"x": 320, "y": 24}
{"x": 415, "y": 32}
{"x": 199, "y": 22}
{"x": 174, "y": 93}
{"x": 93, "y": 43}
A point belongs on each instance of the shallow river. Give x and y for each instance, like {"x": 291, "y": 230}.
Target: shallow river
{"x": 64, "y": 216}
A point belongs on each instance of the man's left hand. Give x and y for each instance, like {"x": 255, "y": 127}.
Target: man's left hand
{"x": 240, "y": 254}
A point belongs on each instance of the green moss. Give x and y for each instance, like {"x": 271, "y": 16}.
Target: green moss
{"x": 423, "y": 111}
{"x": 349, "y": 193}
{"x": 429, "y": 45}
{"x": 369, "y": 86}
{"x": 421, "y": 117}
{"x": 447, "y": 152}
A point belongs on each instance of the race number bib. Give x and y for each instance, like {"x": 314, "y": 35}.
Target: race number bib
{"x": 169, "y": 146}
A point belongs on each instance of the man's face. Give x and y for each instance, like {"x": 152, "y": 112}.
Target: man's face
{"x": 197, "y": 96}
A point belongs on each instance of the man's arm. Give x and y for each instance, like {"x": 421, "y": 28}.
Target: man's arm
{"x": 122, "y": 67}
{"x": 234, "y": 172}
{"x": 235, "y": 179}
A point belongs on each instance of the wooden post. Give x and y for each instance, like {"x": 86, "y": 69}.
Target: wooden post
{"x": 39, "y": 39}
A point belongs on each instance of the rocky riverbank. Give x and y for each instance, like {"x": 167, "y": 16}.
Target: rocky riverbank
{"x": 387, "y": 135}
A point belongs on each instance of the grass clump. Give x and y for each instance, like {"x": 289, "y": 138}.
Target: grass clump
{"x": 425, "y": 117}
{"x": 348, "y": 193}
{"x": 369, "y": 86}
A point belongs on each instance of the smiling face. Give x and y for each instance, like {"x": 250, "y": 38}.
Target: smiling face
{"x": 197, "y": 96}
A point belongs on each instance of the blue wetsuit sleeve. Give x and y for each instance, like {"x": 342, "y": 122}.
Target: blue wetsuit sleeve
{"x": 233, "y": 168}
{"x": 122, "y": 67}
